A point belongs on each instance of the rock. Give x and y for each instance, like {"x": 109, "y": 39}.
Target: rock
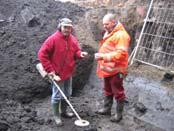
{"x": 29, "y": 17}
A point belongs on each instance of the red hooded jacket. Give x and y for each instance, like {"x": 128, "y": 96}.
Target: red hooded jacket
{"x": 58, "y": 54}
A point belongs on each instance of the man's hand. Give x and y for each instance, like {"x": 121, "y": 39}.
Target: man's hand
{"x": 54, "y": 76}
{"x": 99, "y": 56}
{"x": 83, "y": 54}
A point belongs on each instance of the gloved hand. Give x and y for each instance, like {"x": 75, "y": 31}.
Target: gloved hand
{"x": 83, "y": 54}
{"x": 54, "y": 76}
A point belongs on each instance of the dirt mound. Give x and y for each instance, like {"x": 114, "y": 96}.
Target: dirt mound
{"x": 24, "y": 25}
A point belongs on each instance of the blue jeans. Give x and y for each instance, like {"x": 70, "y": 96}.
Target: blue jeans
{"x": 65, "y": 86}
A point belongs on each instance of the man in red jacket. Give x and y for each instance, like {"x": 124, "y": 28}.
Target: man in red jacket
{"x": 112, "y": 65}
{"x": 57, "y": 55}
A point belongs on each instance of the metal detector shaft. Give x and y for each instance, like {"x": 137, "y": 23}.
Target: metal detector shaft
{"x": 66, "y": 99}
{"x": 44, "y": 74}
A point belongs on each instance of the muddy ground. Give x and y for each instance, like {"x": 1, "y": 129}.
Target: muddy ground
{"x": 25, "y": 96}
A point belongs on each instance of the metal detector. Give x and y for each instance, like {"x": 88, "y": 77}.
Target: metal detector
{"x": 80, "y": 122}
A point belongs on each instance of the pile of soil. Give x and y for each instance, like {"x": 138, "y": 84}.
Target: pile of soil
{"x": 24, "y": 26}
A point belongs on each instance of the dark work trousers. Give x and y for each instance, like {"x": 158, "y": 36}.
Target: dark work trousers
{"x": 113, "y": 86}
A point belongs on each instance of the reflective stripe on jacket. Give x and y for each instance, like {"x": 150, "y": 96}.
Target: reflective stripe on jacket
{"x": 115, "y": 49}
{"x": 58, "y": 54}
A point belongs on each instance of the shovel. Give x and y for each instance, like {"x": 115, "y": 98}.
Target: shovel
{"x": 80, "y": 122}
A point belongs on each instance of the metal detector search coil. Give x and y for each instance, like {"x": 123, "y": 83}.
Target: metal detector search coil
{"x": 80, "y": 122}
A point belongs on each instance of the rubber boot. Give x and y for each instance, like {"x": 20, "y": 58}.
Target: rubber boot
{"x": 106, "y": 110}
{"x": 56, "y": 112}
{"x": 119, "y": 109}
{"x": 64, "y": 112}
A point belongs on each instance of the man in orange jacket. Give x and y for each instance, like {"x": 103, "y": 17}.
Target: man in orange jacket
{"x": 112, "y": 60}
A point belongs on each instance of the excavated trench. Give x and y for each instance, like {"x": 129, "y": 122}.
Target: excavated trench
{"x": 25, "y": 96}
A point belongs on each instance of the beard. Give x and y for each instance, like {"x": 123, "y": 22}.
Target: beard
{"x": 66, "y": 33}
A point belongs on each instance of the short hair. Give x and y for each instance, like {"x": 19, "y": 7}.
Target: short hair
{"x": 109, "y": 17}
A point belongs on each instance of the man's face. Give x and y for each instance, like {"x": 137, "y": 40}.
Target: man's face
{"x": 66, "y": 30}
{"x": 108, "y": 25}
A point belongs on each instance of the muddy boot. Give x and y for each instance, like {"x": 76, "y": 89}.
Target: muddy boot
{"x": 56, "y": 112}
{"x": 119, "y": 109}
{"x": 64, "y": 112}
{"x": 106, "y": 110}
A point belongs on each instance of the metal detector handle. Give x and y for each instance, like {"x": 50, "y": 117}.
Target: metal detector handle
{"x": 45, "y": 74}
{"x": 66, "y": 99}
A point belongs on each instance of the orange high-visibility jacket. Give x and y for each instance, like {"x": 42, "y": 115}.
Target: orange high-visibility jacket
{"x": 115, "y": 49}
